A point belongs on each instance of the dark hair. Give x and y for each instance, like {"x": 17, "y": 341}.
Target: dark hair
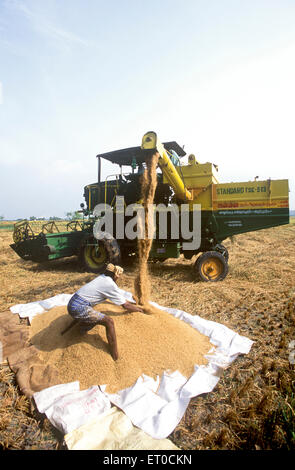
{"x": 109, "y": 274}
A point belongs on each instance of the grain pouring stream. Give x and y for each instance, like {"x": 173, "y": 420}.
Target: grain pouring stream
{"x": 148, "y": 189}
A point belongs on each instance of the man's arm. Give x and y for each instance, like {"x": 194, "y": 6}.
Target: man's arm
{"x": 132, "y": 307}
{"x": 115, "y": 295}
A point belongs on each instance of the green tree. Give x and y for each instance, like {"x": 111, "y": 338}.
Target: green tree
{"x": 73, "y": 215}
{"x": 77, "y": 215}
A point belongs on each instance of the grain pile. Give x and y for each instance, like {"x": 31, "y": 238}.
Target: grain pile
{"x": 148, "y": 189}
{"x": 147, "y": 344}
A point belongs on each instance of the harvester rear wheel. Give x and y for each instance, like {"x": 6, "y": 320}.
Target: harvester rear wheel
{"x": 96, "y": 254}
{"x": 211, "y": 266}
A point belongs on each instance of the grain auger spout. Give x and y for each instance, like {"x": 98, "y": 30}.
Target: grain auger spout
{"x": 150, "y": 142}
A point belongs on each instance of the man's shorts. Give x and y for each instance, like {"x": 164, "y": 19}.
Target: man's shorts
{"x": 82, "y": 310}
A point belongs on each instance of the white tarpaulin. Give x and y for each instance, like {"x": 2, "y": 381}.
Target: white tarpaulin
{"x": 31, "y": 309}
{"x": 157, "y": 406}
{"x": 113, "y": 430}
{"x": 90, "y": 423}
{"x": 67, "y": 407}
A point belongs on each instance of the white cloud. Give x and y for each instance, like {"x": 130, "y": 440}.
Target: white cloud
{"x": 58, "y": 34}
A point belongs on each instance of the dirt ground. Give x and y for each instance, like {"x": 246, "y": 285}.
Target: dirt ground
{"x": 253, "y": 405}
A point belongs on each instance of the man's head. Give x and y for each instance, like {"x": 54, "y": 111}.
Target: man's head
{"x": 113, "y": 271}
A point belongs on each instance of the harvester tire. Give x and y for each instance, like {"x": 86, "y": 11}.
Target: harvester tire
{"x": 211, "y": 266}
{"x": 96, "y": 254}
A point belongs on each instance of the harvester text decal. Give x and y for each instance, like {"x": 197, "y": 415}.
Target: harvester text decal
{"x": 241, "y": 190}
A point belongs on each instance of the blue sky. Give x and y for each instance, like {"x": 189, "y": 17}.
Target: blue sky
{"x": 83, "y": 77}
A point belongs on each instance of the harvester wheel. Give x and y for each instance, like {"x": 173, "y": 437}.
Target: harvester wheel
{"x": 211, "y": 266}
{"x": 96, "y": 254}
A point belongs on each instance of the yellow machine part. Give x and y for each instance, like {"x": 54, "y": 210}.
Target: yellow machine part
{"x": 272, "y": 194}
{"x": 171, "y": 176}
{"x": 198, "y": 174}
{"x": 201, "y": 181}
{"x": 243, "y": 195}
{"x": 197, "y": 183}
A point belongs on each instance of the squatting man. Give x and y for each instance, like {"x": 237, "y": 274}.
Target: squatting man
{"x": 103, "y": 287}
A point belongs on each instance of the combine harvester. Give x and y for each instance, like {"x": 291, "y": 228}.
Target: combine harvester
{"x": 227, "y": 209}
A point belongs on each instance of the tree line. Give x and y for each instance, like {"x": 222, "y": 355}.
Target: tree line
{"x": 68, "y": 216}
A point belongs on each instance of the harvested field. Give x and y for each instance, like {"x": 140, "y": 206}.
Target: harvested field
{"x": 253, "y": 405}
